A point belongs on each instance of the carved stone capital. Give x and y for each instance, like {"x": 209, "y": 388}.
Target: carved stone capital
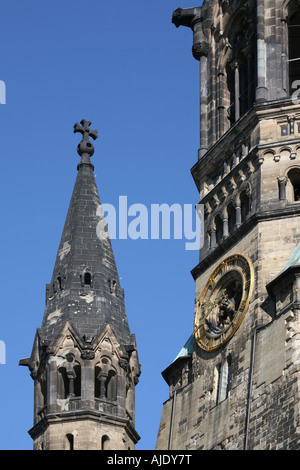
{"x": 201, "y": 49}
{"x": 282, "y": 179}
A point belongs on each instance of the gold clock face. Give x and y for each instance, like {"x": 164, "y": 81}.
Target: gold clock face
{"x": 224, "y": 302}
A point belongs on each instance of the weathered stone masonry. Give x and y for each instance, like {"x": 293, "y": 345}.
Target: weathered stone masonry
{"x": 245, "y": 394}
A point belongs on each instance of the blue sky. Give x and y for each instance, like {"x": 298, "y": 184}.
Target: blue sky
{"x": 125, "y": 67}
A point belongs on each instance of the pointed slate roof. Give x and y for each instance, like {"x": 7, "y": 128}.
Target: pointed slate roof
{"x": 287, "y": 273}
{"x": 182, "y": 357}
{"x": 294, "y": 259}
{"x": 187, "y": 349}
{"x": 85, "y": 288}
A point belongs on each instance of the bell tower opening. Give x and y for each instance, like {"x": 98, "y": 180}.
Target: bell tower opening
{"x": 241, "y": 69}
{"x": 294, "y": 48}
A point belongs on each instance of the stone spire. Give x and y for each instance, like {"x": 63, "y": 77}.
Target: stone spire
{"x": 85, "y": 286}
{"x": 84, "y": 359}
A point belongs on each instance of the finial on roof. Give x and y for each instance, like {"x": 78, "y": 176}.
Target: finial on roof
{"x": 85, "y": 148}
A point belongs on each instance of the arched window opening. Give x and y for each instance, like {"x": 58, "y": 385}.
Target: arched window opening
{"x": 77, "y": 381}
{"x": 219, "y": 229}
{"x": 294, "y": 48}
{"x": 70, "y": 442}
{"x": 231, "y": 90}
{"x": 105, "y": 443}
{"x": 241, "y": 69}
{"x": 69, "y": 382}
{"x": 105, "y": 384}
{"x": 231, "y": 217}
{"x": 293, "y": 185}
{"x": 111, "y": 386}
{"x": 243, "y": 83}
{"x": 59, "y": 283}
{"x": 63, "y": 389}
{"x": 245, "y": 205}
{"x": 222, "y": 380}
{"x": 97, "y": 382}
{"x": 87, "y": 279}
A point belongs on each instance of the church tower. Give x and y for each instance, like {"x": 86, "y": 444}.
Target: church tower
{"x": 236, "y": 383}
{"x": 84, "y": 360}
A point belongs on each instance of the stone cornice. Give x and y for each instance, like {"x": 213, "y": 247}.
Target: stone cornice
{"x": 239, "y": 233}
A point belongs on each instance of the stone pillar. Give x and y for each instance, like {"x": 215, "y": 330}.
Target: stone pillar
{"x": 261, "y": 90}
{"x": 225, "y": 225}
{"x": 102, "y": 379}
{"x": 52, "y": 387}
{"x": 238, "y": 213}
{"x": 236, "y": 90}
{"x": 213, "y": 238}
{"x": 284, "y": 57}
{"x": 220, "y": 106}
{"x": 282, "y": 188}
{"x": 201, "y": 48}
{"x": 88, "y": 384}
{"x": 203, "y": 106}
{"x": 71, "y": 376}
{"x": 191, "y": 17}
{"x": 36, "y": 400}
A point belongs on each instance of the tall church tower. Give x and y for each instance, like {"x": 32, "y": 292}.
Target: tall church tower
{"x": 236, "y": 382}
{"x": 84, "y": 360}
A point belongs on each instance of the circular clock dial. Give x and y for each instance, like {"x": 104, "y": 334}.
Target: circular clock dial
{"x": 224, "y": 302}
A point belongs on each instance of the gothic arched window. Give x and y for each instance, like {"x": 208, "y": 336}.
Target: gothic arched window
{"x": 69, "y": 382}
{"x": 241, "y": 68}
{"x": 111, "y": 385}
{"x": 86, "y": 279}
{"x": 245, "y": 204}
{"x": 231, "y": 217}
{"x": 105, "y": 383}
{"x": 63, "y": 383}
{"x": 219, "y": 229}
{"x": 77, "y": 381}
{"x": 293, "y": 185}
{"x": 222, "y": 380}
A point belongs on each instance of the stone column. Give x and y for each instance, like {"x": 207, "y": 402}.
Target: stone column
{"x": 220, "y": 106}
{"x": 52, "y": 386}
{"x": 191, "y": 17}
{"x": 236, "y": 90}
{"x": 284, "y": 57}
{"x": 238, "y": 213}
{"x": 261, "y": 90}
{"x": 225, "y": 225}
{"x": 201, "y": 50}
{"x": 88, "y": 380}
{"x": 71, "y": 376}
{"x": 213, "y": 238}
{"x": 282, "y": 188}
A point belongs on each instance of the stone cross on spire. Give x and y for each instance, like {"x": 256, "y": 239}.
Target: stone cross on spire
{"x": 85, "y": 148}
